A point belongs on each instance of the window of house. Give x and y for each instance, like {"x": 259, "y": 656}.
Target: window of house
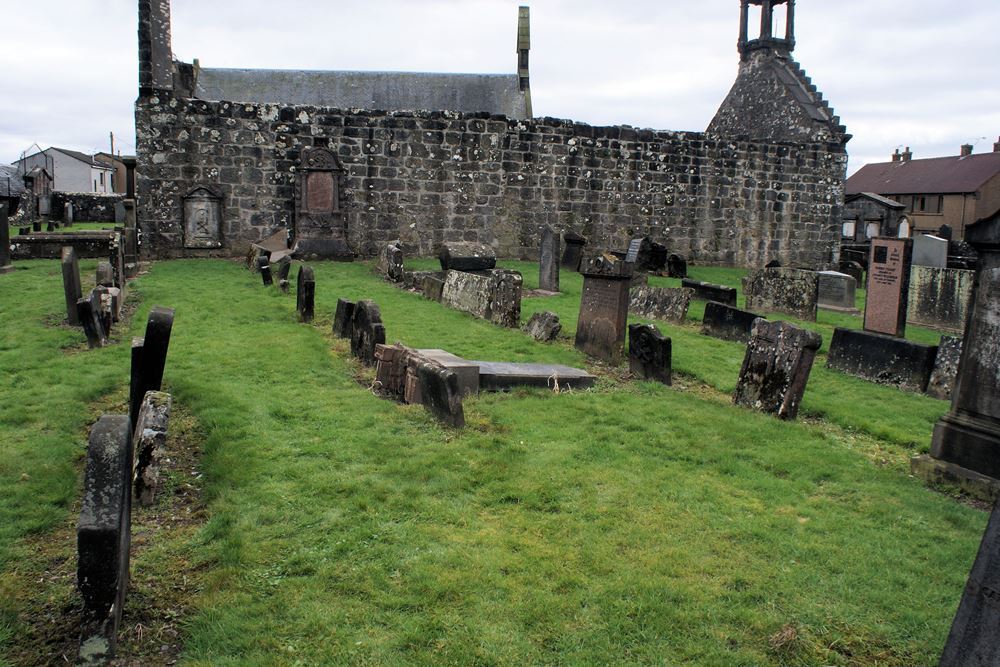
{"x": 95, "y": 185}
{"x": 904, "y": 229}
{"x": 872, "y": 229}
{"x": 850, "y": 227}
{"x": 102, "y": 178}
{"x": 938, "y": 203}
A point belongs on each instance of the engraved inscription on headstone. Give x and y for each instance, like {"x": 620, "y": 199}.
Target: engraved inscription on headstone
{"x": 321, "y": 191}
{"x": 202, "y": 219}
{"x": 600, "y": 329}
{"x": 888, "y": 285}
{"x": 320, "y": 225}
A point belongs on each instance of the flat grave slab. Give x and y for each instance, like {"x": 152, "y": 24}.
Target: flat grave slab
{"x": 467, "y": 371}
{"x": 502, "y": 375}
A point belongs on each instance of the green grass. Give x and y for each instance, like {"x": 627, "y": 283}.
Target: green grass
{"x": 634, "y": 523}
{"x": 75, "y": 227}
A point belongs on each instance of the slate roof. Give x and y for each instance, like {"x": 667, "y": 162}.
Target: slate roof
{"x": 386, "y": 91}
{"x": 939, "y": 175}
{"x": 885, "y": 201}
{"x": 11, "y": 183}
{"x": 83, "y": 157}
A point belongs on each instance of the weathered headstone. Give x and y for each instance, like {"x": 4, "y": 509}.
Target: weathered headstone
{"x": 791, "y": 291}
{"x": 854, "y": 270}
{"x": 105, "y": 275}
{"x": 68, "y": 214}
{"x": 149, "y": 360}
{"x": 888, "y": 285}
{"x": 945, "y": 372}
{"x": 284, "y": 267}
{"x": 573, "y": 252}
{"x": 103, "y": 536}
{"x": 342, "y": 318}
{"x": 930, "y": 250}
{"x": 710, "y": 292}
{"x": 548, "y": 261}
{"x": 390, "y": 261}
{"x": 837, "y": 292}
{"x": 439, "y": 392}
{"x": 543, "y": 326}
{"x": 390, "y": 369}
{"x": 202, "y": 218}
{"x": 467, "y": 372}
{"x": 72, "y": 290}
{"x": 432, "y": 285}
{"x": 320, "y": 222}
{"x": 367, "y": 331}
{"x": 677, "y": 266}
{"x": 88, "y": 311}
{"x": 467, "y": 257}
{"x": 881, "y": 358}
{"x": 728, "y": 323}
{"x": 776, "y": 368}
{"x": 661, "y": 303}
{"x": 150, "y": 439}
{"x": 600, "y": 329}
{"x": 940, "y": 298}
{"x": 974, "y": 639}
{"x": 264, "y": 266}
{"x": 494, "y": 296}
{"x": 649, "y": 354}
{"x": 305, "y": 293}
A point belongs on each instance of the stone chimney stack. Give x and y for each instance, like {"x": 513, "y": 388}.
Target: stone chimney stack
{"x": 896, "y": 157}
{"x": 906, "y": 156}
{"x": 523, "y": 48}
{"x": 156, "y": 65}
{"x": 966, "y": 150}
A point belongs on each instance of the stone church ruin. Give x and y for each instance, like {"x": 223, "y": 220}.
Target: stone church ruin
{"x": 349, "y": 161}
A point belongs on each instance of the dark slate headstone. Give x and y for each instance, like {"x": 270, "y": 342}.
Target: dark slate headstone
{"x": 888, "y": 285}
{"x": 71, "y": 283}
{"x": 36, "y": 225}
{"x": 635, "y": 248}
{"x": 776, "y": 368}
{"x": 342, "y": 318}
{"x": 600, "y": 329}
{"x": 88, "y": 311}
{"x": 544, "y": 326}
{"x": 367, "y": 331}
{"x": 573, "y": 252}
{"x": 728, "y": 323}
{"x": 105, "y": 274}
{"x": 264, "y": 266}
{"x": 439, "y": 392}
{"x": 710, "y": 292}
{"x": 467, "y": 257}
{"x": 103, "y": 535}
{"x": 649, "y": 355}
{"x": 974, "y": 639}
{"x": 284, "y": 267}
{"x": 881, "y": 358}
{"x": 945, "y": 372}
{"x": 677, "y": 267}
{"x": 791, "y": 291}
{"x": 548, "y": 261}
{"x": 150, "y": 440}
{"x": 50, "y": 225}
{"x": 5, "y": 265}
{"x": 151, "y": 357}
{"x": 660, "y": 303}
{"x": 305, "y": 293}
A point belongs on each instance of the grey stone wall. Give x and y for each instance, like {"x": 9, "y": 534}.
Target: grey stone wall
{"x": 431, "y": 177}
{"x": 87, "y": 207}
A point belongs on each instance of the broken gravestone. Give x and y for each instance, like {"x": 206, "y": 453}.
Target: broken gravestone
{"x": 367, "y": 331}
{"x": 439, "y": 392}
{"x": 150, "y": 439}
{"x": 661, "y": 303}
{"x": 284, "y": 267}
{"x": 710, "y": 292}
{"x": 776, "y": 368}
{"x": 342, "y": 318}
{"x": 305, "y": 293}
{"x": 942, "y": 380}
{"x": 649, "y": 354}
{"x": 88, "y": 311}
{"x": 544, "y": 326}
{"x": 600, "y": 329}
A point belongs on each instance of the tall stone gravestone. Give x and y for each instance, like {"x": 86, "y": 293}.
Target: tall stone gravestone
{"x": 305, "y": 294}
{"x": 5, "y": 265}
{"x": 71, "y": 283}
{"x": 776, "y": 368}
{"x": 649, "y": 353}
{"x": 264, "y": 266}
{"x": 888, "y": 285}
{"x": 600, "y": 329}
{"x": 149, "y": 357}
{"x": 548, "y": 261}
{"x": 342, "y": 318}
{"x": 320, "y": 224}
{"x": 367, "y": 331}
{"x": 89, "y": 315}
{"x": 68, "y": 214}
{"x": 930, "y": 250}
{"x": 202, "y": 218}
{"x": 573, "y": 252}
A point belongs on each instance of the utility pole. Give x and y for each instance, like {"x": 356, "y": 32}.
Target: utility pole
{"x": 112, "y": 134}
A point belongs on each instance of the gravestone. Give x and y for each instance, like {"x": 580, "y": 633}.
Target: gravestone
{"x": 284, "y": 267}
{"x": 710, "y": 292}
{"x": 791, "y": 291}
{"x": 776, "y": 368}
{"x": 5, "y": 265}
{"x": 105, "y": 275}
{"x": 367, "y": 331}
{"x": 854, "y": 270}
{"x": 728, "y": 323}
{"x": 466, "y": 371}
{"x": 150, "y": 440}
{"x": 548, "y": 261}
{"x": 439, "y": 392}
{"x": 36, "y": 225}
{"x": 390, "y": 369}
{"x": 50, "y": 226}
{"x": 68, "y": 214}
{"x": 467, "y": 257}
{"x": 649, "y": 354}
{"x": 504, "y": 376}
{"x": 940, "y": 298}
{"x": 837, "y": 292}
{"x": 661, "y": 303}
{"x": 264, "y": 266}
{"x": 88, "y": 311}
{"x": 974, "y": 639}
{"x": 102, "y": 298}
{"x": 544, "y": 326}
{"x": 342, "y": 318}
{"x": 573, "y": 252}
{"x": 931, "y": 251}
{"x": 202, "y": 218}
{"x": 72, "y": 290}
{"x": 320, "y": 223}
{"x": 600, "y": 329}
{"x": 390, "y": 261}
{"x": 119, "y": 213}
{"x": 944, "y": 232}
{"x": 677, "y": 267}
{"x": 305, "y": 294}
{"x": 494, "y": 295}
{"x": 888, "y": 285}
{"x": 103, "y": 535}
{"x": 942, "y": 380}
{"x": 881, "y": 358}
{"x": 149, "y": 357}
{"x": 432, "y": 285}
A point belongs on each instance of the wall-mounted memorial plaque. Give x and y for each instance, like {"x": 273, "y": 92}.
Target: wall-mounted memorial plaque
{"x": 320, "y": 224}
{"x": 202, "y": 219}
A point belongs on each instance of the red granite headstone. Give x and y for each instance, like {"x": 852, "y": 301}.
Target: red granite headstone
{"x": 888, "y": 285}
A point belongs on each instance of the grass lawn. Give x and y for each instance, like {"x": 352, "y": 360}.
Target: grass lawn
{"x": 75, "y": 227}
{"x": 632, "y": 523}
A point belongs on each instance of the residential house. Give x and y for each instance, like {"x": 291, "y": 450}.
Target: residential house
{"x": 72, "y": 171}
{"x": 119, "y": 164}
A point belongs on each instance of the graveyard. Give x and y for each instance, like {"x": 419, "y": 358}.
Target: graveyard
{"x": 312, "y": 521}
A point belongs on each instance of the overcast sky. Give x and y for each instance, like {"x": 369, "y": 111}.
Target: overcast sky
{"x": 920, "y": 73}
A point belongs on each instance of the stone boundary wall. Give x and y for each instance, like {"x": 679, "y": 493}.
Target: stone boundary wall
{"x": 87, "y": 206}
{"x": 431, "y": 177}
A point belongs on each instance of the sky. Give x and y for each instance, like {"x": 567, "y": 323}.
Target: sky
{"x": 917, "y": 73}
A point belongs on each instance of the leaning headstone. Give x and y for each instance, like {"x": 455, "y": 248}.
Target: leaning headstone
{"x": 68, "y": 214}
{"x": 728, "y": 323}
{"x": 367, "y": 331}
{"x": 710, "y": 292}
{"x": 573, "y": 252}
{"x": 942, "y": 381}
{"x": 264, "y": 266}
{"x": 776, "y": 368}
{"x": 974, "y": 639}
{"x": 677, "y": 267}
{"x": 284, "y": 267}
{"x": 342, "y": 318}
{"x": 466, "y": 371}
{"x": 888, "y": 285}
{"x": 931, "y": 251}
{"x": 543, "y": 326}
{"x": 103, "y": 536}
{"x": 600, "y": 329}
{"x": 940, "y": 298}
{"x": 661, "y": 303}
{"x": 837, "y": 292}
{"x": 305, "y": 293}
{"x": 439, "y": 393}
{"x": 105, "y": 274}
{"x": 467, "y": 257}
{"x": 72, "y": 290}
{"x": 649, "y": 355}
{"x": 548, "y": 261}
{"x": 89, "y": 315}
{"x": 881, "y": 358}
{"x": 150, "y": 359}
{"x": 790, "y": 291}
{"x": 150, "y": 438}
